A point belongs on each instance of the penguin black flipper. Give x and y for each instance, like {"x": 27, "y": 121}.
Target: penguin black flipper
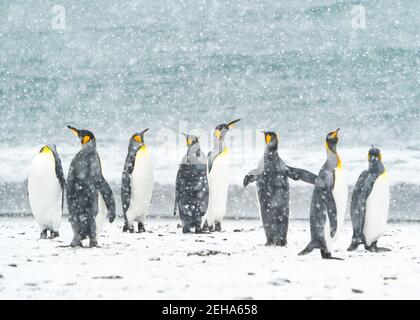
{"x": 59, "y": 173}
{"x": 361, "y": 192}
{"x": 251, "y": 177}
{"x": 203, "y": 189}
{"x": 178, "y": 187}
{"x": 209, "y": 161}
{"x": 126, "y": 182}
{"x": 300, "y": 174}
{"x": 331, "y": 211}
{"x": 108, "y": 197}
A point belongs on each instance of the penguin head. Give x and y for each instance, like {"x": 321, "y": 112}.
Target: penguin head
{"x": 137, "y": 139}
{"x": 86, "y": 137}
{"x": 190, "y": 139}
{"x": 374, "y": 155}
{"x": 271, "y": 139}
{"x": 221, "y": 130}
{"x": 332, "y": 140}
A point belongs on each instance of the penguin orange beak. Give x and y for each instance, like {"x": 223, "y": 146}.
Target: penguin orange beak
{"x": 231, "y": 124}
{"x": 74, "y": 130}
{"x": 335, "y": 133}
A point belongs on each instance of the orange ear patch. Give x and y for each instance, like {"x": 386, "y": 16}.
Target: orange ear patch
{"x": 137, "y": 138}
{"x": 86, "y": 139}
{"x": 267, "y": 138}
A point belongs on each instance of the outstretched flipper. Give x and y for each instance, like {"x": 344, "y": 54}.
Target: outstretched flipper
{"x": 300, "y": 174}
{"x": 108, "y": 197}
{"x": 252, "y": 176}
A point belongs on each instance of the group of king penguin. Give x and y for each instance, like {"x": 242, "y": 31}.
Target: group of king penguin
{"x": 201, "y": 190}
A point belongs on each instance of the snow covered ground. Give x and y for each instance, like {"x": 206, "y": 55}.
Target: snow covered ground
{"x": 165, "y": 264}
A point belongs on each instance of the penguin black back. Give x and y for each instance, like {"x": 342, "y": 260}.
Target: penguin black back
{"x": 191, "y": 186}
{"x": 85, "y": 181}
{"x": 271, "y": 178}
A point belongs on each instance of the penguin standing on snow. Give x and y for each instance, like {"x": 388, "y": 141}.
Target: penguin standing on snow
{"x": 46, "y": 185}
{"x": 137, "y": 183}
{"x": 219, "y": 173}
{"x": 370, "y": 204}
{"x": 329, "y": 201}
{"x": 271, "y": 178}
{"x": 191, "y": 187}
{"x": 86, "y": 188}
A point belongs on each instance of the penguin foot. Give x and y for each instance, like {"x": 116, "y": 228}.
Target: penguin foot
{"x": 76, "y": 242}
{"x": 44, "y": 234}
{"x": 54, "y": 234}
{"x": 307, "y": 250}
{"x": 374, "y": 248}
{"x": 129, "y": 229}
{"x": 353, "y": 247}
{"x": 218, "y": 226}
{"x": 93, "y": 243}
{"x": 279, "y": 242}
{"x": 327, "y": 256}
{"x": 141, "y": 228}
{"x": 205, "y": 227}
{"x": 186, "y": 230}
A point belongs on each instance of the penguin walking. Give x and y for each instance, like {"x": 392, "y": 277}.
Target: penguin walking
{"x": 370, "y": 204}
{"x": 137, "y": 183}
{"x": 329, "y": 202}
{"x": 192, "y": 187}
{"x": 219, "y": 173}
{"x": 271, "y": 178}
{"x": 86, "y": 189}
{"x": 46, "y": 186}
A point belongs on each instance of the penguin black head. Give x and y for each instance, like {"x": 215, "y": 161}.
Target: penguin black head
{"x": 85, "y": 136}
{"x": 221, "y": 130}
{"x": 191, "y": 140}
{"x": 138, "y": 137}
{"x": 332, "y": 140}
{"x": 374, "y": 155}
{"x": 271, "y": 139}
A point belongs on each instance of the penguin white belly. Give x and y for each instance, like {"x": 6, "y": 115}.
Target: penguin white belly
{"x": 377, "y": 207}
{"x": 141, "y": 187}
{"x": 45, "y": 194}
{"x": 218, "y": 188}
{"x": 101, "y": 216}
{"x": 340, "y": 194}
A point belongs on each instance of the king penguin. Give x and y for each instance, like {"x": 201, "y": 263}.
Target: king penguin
{"x": 370, "y": 204}
{"x": 137, "y": 183}
{"x": 86, "y": 188}
{"x": 219, "y": 172}
{"x": 46, "y": 185}
{"x": 271, "y": 178}
{"x": 192, "y": 187}
{"x": 329, "y": 201}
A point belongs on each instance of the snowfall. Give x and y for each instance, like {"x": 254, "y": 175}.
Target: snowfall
{"x": 163, "y": 263}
